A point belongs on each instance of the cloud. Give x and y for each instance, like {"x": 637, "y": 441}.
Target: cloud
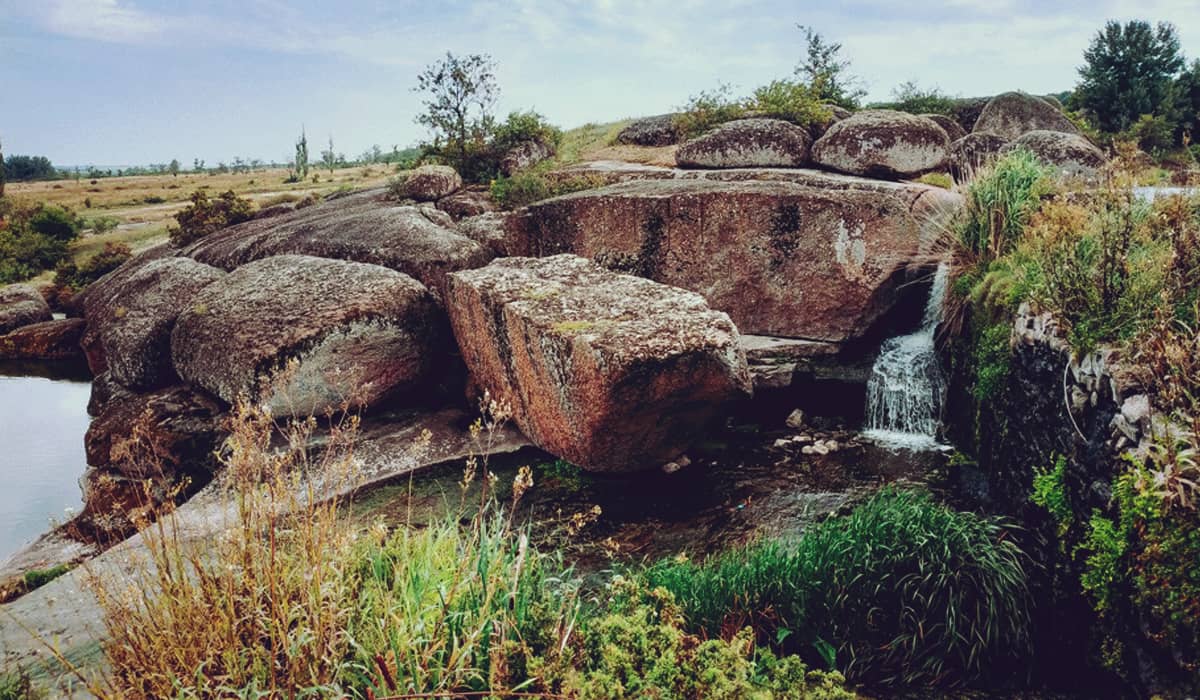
{"x": 102, "y": 20}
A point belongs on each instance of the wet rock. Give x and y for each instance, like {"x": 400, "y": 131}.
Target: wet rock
{"x": 467, "y": 203}
{"x": 1071, "y": 154}
{"x": 1013, "y": 114}
{"x": 21, "y": 305}
{"x": 365, "y": 227}
{"x": 524, "y": 155}
{"x": 358, "y": 334}
{"x": 780, "y": 258}
{"x": 949, "y": 124}
{"x": 882, "y": 143}
{"x": 658, "y": 130}
{"x": 608, "y": 371}
{"x": 429, "y": 183}
{"x": 796, "y": 419}
{"x": 747, "y": 143}
{"x": 129, "y": 329}
{"x": 48, "y": 340}
{"x": 973, "y": 152}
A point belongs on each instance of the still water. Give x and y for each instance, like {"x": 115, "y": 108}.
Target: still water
{"x": 42, "y": 422}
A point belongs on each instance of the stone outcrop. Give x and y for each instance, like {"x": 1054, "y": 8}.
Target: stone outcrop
{"x": 524, "y": 155}
{"x": 780, "y": 258}
{"x": 21, "y": 305}
{"x": 357, "y": 334}
{"x": 973, "y": 152}
{"x": 949, "y": 124}
{"x": 883, "y": 144}
{"x": 1013, "y": 114}
{"x": 611, "y": 372}
{"x": 48, "y": 340}
{"x": 144, "y": 450}
{"x": 364, "y": 227}
{"x": 1070, "y": 154}
{"x": 747, "y": 143}
{"x": 467, "y": 203}
{"x": 658, "y": 130}
{"x": 129, "y": 329}
{"x": 429, "y": 183}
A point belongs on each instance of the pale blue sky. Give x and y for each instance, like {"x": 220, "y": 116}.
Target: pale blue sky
{"x": 140, "y": 81}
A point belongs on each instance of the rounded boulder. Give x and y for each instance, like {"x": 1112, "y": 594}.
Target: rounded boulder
{"x": 1013, "y": 114}
{"x": 748, "y": 143}
{"x": 884, "y": 144}
{"x": 309, "y": 335}
{"x": 21, "y": 305}
{"x": 1071, "y": 154}
{"x": 429, "y": 183}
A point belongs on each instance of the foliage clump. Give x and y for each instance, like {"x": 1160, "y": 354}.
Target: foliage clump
{"x": 74, "y": 276}
{"x": 902, "y": 591}
{"x": 34, "y": 238}
{"x": 206, "y": 215}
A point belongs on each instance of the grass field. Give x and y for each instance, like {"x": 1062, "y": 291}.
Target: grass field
{"x": 144, "y": 205}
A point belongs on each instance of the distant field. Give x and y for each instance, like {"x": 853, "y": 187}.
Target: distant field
{"x": 144, "y": 204}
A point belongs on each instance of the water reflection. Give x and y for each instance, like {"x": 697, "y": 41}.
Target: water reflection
{"x": 42, "y": 422}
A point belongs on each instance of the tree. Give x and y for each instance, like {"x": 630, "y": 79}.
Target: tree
{"x": 460, "y": 94}
{"x": 300, "y": 169}
{"x": 911, "y": 97}
{"x": 1, "y": 171}
{"x": 173, "y": 167}
{"x": 328, "y": 157}
{"x": 825, "y": 69}
{"x": 197, "y": 165}
{"x": 1128, "y": 71}
{"x": 23, "y": 168}
{"x": 1187, "y": 106}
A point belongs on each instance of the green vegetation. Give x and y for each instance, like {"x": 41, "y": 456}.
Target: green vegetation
{"x": 307, "y": 605}
{"x": 40, "y": 577}
{"x": 902, "y": 591}
{"x": 532, "y": 185}
{"x": 26, "y": 168}
{"x": 33, "y": 238}
{"x": 74, "y": 276}
{"x": 16, "y": 685}
{"x": 797, "y": 102}
{"x": 1121, "y": 57}
{"x": 824, "y": 68}
{"x": 206, "y": 215}
{"x": 914, "y": 99}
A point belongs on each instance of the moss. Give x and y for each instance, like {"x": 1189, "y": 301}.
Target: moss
{"x": 40, "y": 577}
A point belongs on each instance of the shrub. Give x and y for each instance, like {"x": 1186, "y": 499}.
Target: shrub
{"x": 914, "y": 99}
{"x": 69, "y": 275}
{"x": 901, "y": 591}
{"x": 520, "y": 127}
{"x": 16, "y": 685}
{"x": 708, "y": 109}
{"x": 526, "y": 187}
{"x": 103, "y": 224}
{"x": 204, "y": 216}
{"x": 33, "y": 238}
{"x": 790, "y": 100}
{"x": 999, "y": 204}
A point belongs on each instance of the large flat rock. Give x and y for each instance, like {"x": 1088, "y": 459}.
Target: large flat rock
{"x": 365, "y": 227}
{"x": 611, "y": 372}
{"x": 781, "y": 258}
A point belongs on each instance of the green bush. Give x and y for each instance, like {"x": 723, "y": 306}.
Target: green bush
{"x": 790, "y": 100}
{"x": 16, "y": 685}
{"x": 914, "y": 99}
{"x": 901, "y": 591}
{"x": 204, "y": 216}
{"x": 708, "y": 109}
{"x": 68, "y": 274}
{"x": 636, "y": 647}
{"x": 520, "y": 127}
{"x": 529, "y": 186}
{"x": 33, "y": 238}
{"x": 999, "y": 204}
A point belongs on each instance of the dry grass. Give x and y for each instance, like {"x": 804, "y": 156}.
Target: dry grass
{"x": 142, "y": 218}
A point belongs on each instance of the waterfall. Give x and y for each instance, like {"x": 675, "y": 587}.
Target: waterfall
{"x": 906, "y": 388}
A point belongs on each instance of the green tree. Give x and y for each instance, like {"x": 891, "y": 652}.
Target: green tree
{"x": 328, "y": 157}
{"x": 460, "y": 94}
{"x": 1129, "y": 71}
{"x": 1, "y": 171}
{"x": 300, "y": 168}
{"x": 173, "y": 167}
{"x": 825, "y": 69}
{"x": 1187, "y": 105}
{"x": 24, "y": 168}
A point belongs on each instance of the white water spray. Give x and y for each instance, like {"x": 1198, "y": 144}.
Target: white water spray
{"x": 906, "y": 388}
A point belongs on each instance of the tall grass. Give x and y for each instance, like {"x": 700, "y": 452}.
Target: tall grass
{"x": 901, "y": 591}
{"x": 999, "y": 204}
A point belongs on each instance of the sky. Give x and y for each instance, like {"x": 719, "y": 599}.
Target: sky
{"x": 110, "y": 82}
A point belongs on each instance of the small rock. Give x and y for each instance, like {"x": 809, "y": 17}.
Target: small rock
{"x": 796, "y": 419}
{"x": 807, "y": 449}
{"x": 782, "y": 443}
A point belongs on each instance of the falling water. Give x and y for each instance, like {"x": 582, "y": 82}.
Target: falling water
{"x": 905, "y": 392}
